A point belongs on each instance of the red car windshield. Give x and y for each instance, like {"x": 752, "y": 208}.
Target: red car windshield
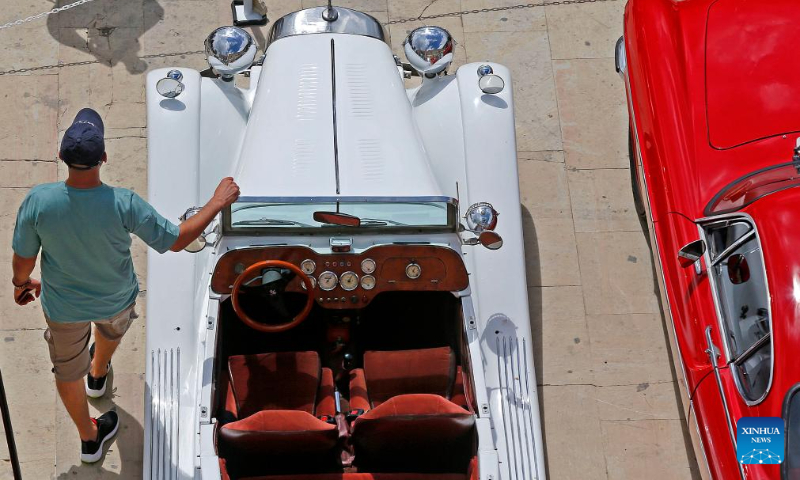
{"x": 753, "y": 186}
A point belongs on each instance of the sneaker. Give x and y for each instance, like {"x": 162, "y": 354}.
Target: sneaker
{"x": 96, "y": 387}
{"x": 107, "y": 425}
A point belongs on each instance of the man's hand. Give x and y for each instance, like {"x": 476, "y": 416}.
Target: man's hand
{"x": 25, "y": 295}
{"x": 226, "y": 193}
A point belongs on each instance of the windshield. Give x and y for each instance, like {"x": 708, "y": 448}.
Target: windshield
{"x": 753, "y": 186}
{"x": 251, "y": 216}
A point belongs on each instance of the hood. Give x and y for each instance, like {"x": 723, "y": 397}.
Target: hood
{"x": 752, "y": 75}
{"x": 331, "y": 117}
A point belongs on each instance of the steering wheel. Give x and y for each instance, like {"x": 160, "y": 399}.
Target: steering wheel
{"x": 278, "y": 289}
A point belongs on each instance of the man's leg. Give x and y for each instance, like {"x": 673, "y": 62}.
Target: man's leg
{"x": 107, "y": 336}
{"x": 73, "y": 395}
{"x": 68, "y": 344}
{"x": 103, "y": 350}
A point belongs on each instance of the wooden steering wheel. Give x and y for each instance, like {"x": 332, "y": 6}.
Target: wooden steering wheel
{"x": 269, "y": 328}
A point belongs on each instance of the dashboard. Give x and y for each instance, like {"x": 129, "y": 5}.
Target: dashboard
{"x": 352, "y": 280}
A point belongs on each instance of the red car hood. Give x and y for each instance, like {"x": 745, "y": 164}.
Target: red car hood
{"x": 752, "y": 71}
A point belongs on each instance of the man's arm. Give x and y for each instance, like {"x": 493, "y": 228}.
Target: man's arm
{"x": 23, "y": 283}
{"x": 226, "y": 193}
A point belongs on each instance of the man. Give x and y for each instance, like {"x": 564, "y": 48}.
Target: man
{"x": 83, "y": 228}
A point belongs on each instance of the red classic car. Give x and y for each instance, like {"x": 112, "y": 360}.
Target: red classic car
{"x": 713, "y": 92}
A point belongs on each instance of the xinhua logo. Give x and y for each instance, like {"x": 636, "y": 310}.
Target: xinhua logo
{"x": 759, "y": 440}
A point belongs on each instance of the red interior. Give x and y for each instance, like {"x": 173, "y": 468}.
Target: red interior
{"x": 403, "y": 412}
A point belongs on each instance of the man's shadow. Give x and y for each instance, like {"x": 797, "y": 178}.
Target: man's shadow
{"x": 110, "y": 30}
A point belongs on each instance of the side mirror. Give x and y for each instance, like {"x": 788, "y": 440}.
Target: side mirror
{"x": 198, "y": 243}
{"x": 691, "y": 253}
{"x": 490, "y": 240}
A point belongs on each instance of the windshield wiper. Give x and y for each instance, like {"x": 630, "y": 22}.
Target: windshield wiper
{"x": 270, "y": 222}
{"x": 377, "y": 222}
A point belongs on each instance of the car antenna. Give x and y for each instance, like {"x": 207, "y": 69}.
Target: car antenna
{"x": 330, "y": 14}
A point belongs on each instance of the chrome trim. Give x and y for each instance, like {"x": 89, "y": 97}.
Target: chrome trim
{"x": 164, "y": 405}
{"x": 311, "y": 21}
{"x": 713, "y": 355}
{"x": 515, "y": 406}
{"x": 702, "y": 223}
{"x": 335, "y": 127}
{"x": 333, "y": 199}
{"x": 620, "y": 58}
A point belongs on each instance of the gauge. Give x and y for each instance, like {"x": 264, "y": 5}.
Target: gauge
{"x": 308, "y": 266}
{"x": 367, "y": 282}
{"x": 328, "y": 281}
{"x": 349, "y": 281}
{"x": 368, "y": 266}
{"x": 413, "y": 271}
{"x": 313, "y": 283}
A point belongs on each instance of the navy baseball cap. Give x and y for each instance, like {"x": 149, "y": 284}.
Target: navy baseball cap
{"x": 83, "y": 145}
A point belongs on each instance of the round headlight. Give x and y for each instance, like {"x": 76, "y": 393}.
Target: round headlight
{"x": 230, "y": 50}
{"x": 429, "y": 49}
{"x": 481, "y": 216}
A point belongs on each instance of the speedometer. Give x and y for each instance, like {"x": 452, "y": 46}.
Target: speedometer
{"x": 327, "y": 281}
{"x": 349, "y": 281}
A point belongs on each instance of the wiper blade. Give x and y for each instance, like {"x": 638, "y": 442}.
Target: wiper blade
{"x": 270, "y": 222}
{"x": 376, "y": 221}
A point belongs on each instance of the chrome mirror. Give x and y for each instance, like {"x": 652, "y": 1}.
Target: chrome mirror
{"x": 488, "y": 82}
{"x": 170, "y": 86}
{"x": 481, "y": 216}
{"x": 691, "y": 253}
{"x": 429, "y": 50}
{"x": 198, "y": 243}
{"x": 230, "y": 50}
{"x": 490, "y": 240}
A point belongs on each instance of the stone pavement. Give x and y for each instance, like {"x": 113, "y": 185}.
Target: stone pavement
{"x": 609, "y": 396}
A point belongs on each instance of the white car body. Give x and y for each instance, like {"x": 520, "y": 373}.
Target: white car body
{"x": 445, "y": 138}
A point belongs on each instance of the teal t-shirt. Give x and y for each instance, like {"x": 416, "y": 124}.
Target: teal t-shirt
{"x": 84, "y": 235}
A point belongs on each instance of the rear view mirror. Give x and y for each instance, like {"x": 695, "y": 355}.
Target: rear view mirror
{"x": 738, "y": 269}
{"x": 691, "y": 253}
{"x": 335, "y": 218}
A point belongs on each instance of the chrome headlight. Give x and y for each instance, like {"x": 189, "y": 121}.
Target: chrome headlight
{"x": 481, "y": 216}
{"x": 230, "y": 50}
{"x": 429, "y": 49}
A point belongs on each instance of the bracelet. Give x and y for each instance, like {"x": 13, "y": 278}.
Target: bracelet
{"x": 20, "y": 287}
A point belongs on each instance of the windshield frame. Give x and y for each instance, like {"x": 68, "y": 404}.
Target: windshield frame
{"x": 709, "y": 210}
{"x": 451, "y": 227}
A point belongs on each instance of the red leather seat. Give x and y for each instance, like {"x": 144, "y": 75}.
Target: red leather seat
{"x": 275, "y": 399}
{"x": 410, "y": 424}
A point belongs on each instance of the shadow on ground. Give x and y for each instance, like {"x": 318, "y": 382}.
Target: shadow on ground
{"x": 110, "y": 30}
{"x": 128, "y": 442}
{"x": 534, "y": 277}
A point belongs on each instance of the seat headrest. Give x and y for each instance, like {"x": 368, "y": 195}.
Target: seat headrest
{"x": 428, "y": 370}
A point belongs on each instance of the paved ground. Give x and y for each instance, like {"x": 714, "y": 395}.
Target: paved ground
{"x": 609, "y": 396}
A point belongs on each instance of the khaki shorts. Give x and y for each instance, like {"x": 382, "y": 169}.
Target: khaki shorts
{"x": 69, "y": 342}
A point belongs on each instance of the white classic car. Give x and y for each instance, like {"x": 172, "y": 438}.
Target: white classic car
{"x": 356, "y": 314}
